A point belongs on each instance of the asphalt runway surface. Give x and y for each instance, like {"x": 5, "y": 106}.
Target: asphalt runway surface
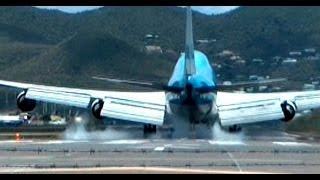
{"x": 254, "y": 150}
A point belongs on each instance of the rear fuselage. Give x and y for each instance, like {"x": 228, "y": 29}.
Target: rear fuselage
{"x": 197, "y": 92}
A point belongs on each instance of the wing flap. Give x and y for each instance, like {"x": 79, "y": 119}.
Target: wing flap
{"x": 250, "y": 112}
{"x": 59, "y": 97}
{"x": 307, "y": 102}
{"x": 133, "y": 110}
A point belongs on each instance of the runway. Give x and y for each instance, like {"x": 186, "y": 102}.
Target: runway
{"x": 267, "y": 152}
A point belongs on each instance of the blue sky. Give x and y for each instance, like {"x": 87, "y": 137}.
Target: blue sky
{"x": 203, "y": 9}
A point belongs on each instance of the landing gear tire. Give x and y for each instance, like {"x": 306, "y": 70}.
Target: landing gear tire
{"x": 234, "y": 128}
{"x": 149, "y": 129}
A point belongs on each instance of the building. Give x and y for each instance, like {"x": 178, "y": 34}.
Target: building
{"x": 309, "y": 87}
{"x": 263, "y": 88}
{"x": 289, "y": 61}
{"x": 240, "y": 61}
{"x": 148, "y": 36}
{"x": 257, "y": 61}
{"x": 249, "y": 90}
{"x": 312, "y": 58}
{"x": 216, "y": 65}
{"x": 276, "y": 89}
{"x": 227, "y": 83}
{"x": 205, "y": 41}
{"x": 253, "y": 77}
{"x": 315, "y": 83}
{"x": 295, "y": 53}
{"x": 277, "y": 58}
{"x": 233, "y": 58}
{"x": 153, "y": 49}
{"x": 310, "y": 50}
{"x": 151, "y": 36}
{"x": 226, "y": 53}
{"x": 150, "y": 39}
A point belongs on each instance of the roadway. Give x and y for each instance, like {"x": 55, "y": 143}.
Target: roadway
{"x": 109, "y": 151}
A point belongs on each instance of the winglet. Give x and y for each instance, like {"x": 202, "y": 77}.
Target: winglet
{"x": 189, "y": 47}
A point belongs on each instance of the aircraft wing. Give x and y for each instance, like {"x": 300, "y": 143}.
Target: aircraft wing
{"x": 243, "y": 108}
{"x": 143, "y": 107}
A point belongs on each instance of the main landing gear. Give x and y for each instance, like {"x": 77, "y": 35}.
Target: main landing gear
{"x": 234, "y": 128}
{"x": 149, "y": 129}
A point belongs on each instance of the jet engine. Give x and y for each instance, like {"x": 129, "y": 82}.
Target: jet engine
{"x": 25, "y": 104}
{"x": 96, "y": 108}
{"x": 289, "y": 110}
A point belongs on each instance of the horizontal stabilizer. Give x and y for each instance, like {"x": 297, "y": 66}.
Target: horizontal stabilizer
{"x": 223, "y": 87}
{"x": 152, "y": 85}
{"x": 144, "y": 84}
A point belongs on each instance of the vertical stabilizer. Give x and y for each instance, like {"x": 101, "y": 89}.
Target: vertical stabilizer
{"x": 189, "y": 49}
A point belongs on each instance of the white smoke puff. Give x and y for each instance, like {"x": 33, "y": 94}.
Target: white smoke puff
{"x": 80, "y": 133}
{"x": 222, "y": 135}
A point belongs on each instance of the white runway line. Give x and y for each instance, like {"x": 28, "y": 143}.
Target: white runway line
{"x": 128, "y": 170}
{"x": 159, "y": 148}
{"x": 59, "y": 142}
{"x": 16, "y": 141}
{"x": 125, "y": 142}
{"x": 291, "y": 144}
{"x": 235, "y": 161}
{"x": 226, "y": 142}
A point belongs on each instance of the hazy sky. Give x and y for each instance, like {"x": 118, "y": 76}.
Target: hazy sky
{"x": 203, "y": 9}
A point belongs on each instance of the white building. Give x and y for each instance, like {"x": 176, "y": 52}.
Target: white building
{"x": 153, "y": 49}
{"x": 295, "y": 53}
{"x": 289, "y": 61}
{"x": 310, "y": 50}
{"x": 226, "y": 53}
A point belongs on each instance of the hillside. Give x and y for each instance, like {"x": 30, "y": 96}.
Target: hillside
{"x": 49, "y": 26}
{"x": 75, "y": 61}
{"x": 267, "y": 31}
{"x": 264, "y": 33}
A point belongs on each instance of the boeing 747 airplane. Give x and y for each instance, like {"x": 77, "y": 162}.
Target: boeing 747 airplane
{"x": 192, "y": 91}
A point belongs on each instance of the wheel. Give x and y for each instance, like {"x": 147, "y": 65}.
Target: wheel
{"x": 149, "y": 129}
{"x": 235, "y": 128}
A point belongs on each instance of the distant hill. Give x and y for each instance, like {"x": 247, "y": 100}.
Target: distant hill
{"x": 267, "y": 31}
{"x": 52, "y": 47}
{"x": 51, "y": 26}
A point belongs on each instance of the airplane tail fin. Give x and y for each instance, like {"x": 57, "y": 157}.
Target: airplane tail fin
{"x": 189, "y": 47}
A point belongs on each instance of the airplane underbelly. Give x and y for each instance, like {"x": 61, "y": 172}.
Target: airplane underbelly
{"x": 206, "y": 103}
{"x": 204, "y": 107}
{"x": 174, "y": 103}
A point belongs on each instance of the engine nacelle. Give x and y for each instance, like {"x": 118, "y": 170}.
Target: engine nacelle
{"x": 96, "y": 108}
{"x": 289, "y": 110}
{"x": 25, "y": 104}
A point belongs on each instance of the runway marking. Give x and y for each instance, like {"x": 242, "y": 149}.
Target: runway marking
{"x": 16, "y": 141}
{"x": 159, "y": 148}
{"x": 122, "y": 170}
{"x": 291, "y": 144}
{"x": 60, "y": 142}
{"x": 290, "y": 135}
{"x": 189, "y": 145}
{"x": 235, "y": 161}
{"x": 125, "y": 142}
{"x": 226, "y": 142}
